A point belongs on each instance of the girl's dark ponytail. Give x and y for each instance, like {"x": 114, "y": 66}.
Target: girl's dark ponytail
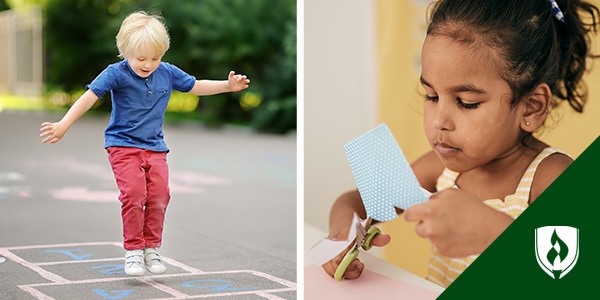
{"x": 573, "y": 38}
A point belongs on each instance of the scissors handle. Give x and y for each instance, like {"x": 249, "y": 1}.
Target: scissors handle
{"x": 348, "y": 258}
{"x": 353, "y": 253}
{"x": 371, "y": 233}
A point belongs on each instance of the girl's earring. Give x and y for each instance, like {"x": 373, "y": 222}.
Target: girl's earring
{"x": 527, "y": 123}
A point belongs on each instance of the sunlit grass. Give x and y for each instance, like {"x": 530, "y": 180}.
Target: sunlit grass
{"x": 179, "y": 102}
{"x": 182, "y": 102}
{"x": 12, "y": 102}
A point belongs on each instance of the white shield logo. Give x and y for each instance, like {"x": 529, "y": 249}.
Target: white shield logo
{"x": 557, "y": 249}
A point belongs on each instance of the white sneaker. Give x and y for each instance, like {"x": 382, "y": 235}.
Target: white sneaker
{"x": 154, "y": 262}
{"x": 133, "y": 263}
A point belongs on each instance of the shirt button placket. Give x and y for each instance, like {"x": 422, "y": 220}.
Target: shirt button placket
{"x": 149, "y": 90}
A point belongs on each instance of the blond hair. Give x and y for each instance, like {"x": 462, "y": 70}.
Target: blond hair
{"x": 141, "y": 30}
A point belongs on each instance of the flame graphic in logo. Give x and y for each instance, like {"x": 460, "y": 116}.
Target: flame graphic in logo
{"x": 557, "y": 249}
{"x": 562, "y": 252}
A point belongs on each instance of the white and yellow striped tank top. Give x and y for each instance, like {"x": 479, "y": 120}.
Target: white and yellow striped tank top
{"x": 443, "y": 270}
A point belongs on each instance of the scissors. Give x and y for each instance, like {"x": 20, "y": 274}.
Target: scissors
{"x": 364, "y": 237}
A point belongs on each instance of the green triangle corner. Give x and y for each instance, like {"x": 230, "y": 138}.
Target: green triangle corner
{"x": 508, "y": 268}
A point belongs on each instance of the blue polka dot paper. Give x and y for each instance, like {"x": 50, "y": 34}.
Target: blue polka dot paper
{"x": 383, "y": 175}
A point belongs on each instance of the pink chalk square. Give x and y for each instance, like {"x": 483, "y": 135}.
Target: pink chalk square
{"x": 113, "y": 268}
{"x": 68, "y": 252}
{"x": 246, "y": 297}
{"x": 95, "y": 271}
{"x": 224, "y": 283}
{"x": 231, "y": 284}
{"x": 131, "y": 289}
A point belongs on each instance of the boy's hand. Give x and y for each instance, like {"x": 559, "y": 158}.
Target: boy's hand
{"x": 53, "y": 132}
{"x": 237, "y": 82}
{"x": 356, "y": 267}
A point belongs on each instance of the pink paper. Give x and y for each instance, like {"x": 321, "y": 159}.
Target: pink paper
{"x": 370, "y": 285}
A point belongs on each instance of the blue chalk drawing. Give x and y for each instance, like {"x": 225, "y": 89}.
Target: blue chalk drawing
{"x": 114, "y": 294}
{"x": 70, "y": 253}
{"x": 218, "y": 285}
{"x": 113, "y": 269}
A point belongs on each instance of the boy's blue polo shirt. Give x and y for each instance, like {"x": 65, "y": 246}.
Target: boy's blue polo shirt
{"x": 139, "y": 104}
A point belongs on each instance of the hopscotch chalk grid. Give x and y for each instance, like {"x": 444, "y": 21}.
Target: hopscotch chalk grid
{"x": 383, "y": 176}
{"x": 95, "y": 271}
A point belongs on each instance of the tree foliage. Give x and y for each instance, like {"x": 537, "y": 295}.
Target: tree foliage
{"x": 208, "y": 39}
{"x": 3, "y": 5}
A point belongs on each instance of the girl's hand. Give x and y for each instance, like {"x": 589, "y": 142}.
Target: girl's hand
{"x": 356, "y": 267}
{"x": 237, "y": 82}
{"x": 457, "y": 223}
{"x": 53, "y": 132}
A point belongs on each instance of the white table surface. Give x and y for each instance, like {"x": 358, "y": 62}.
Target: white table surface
{"x": 312, "y": 235}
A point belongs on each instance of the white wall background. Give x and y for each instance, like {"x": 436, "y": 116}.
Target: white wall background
{"x": 339, "y": 96}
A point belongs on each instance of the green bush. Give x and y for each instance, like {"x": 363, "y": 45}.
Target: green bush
{"x": 3, "y": 5}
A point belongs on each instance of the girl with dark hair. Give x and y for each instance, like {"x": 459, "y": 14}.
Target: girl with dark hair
{"x": 492, "y": 71}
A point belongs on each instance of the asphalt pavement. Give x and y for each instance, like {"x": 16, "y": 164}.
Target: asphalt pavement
{"x": 230, "y": 229}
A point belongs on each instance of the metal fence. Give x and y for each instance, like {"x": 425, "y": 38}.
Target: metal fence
{"x": 21, "y": 65}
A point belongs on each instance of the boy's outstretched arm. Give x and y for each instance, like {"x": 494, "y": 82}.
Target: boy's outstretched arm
{"x": 54, "y": 132}
{"x": 234, "y": 83}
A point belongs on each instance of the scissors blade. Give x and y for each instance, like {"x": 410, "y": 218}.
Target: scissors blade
{"x": 361, "y": 231}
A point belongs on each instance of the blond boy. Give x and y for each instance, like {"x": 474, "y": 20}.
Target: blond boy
{"x": 140, "y": 86}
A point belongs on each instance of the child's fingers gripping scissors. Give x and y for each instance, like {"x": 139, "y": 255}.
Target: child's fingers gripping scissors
{"x": 352, "y": 270}
{"x": 347, "y": 265}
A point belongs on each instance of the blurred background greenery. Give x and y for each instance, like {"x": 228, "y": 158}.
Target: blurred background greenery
{"x": 208, "y": 39}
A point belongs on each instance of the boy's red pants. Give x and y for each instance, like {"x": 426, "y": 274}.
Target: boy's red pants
{"x": 143, "y": 180}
